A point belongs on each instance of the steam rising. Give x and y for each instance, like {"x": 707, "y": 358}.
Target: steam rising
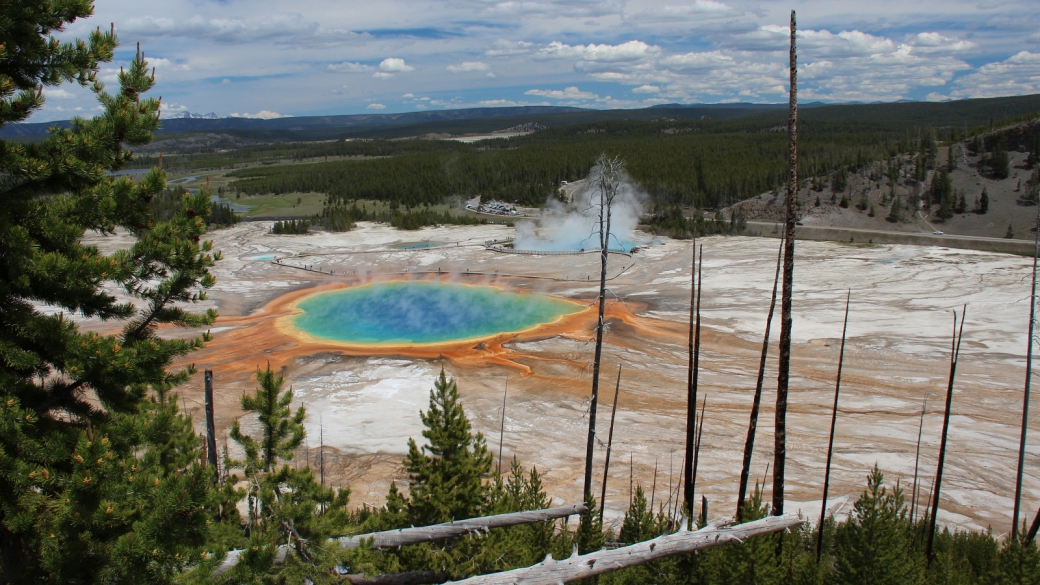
{"x": 574, "y": 226}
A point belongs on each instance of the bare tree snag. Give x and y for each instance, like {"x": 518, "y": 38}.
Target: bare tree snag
{"x": 917, "y": 459}
{"x": 610, "y": 443}
{"x": 749, "y": 443}
{"x": 691, "y": 384}
{"x": 608, "y": 183}
{"x": 955, "y": 350}
{"x": 211, "y": 425}
{"x": 691, "y": 446}
{"x": 1025, "y": 394}
{"x": 780, "y": 448}
{"x": 553, "y": 572}
{"x": 834, "y": 424}
{"x": 414, "y": 535}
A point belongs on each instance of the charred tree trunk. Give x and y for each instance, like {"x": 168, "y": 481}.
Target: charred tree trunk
{"x": 1029, "y": 376}
{"x": 749, "y": 443}
{"x": 697, "y": 455}
{"x": 211, "y": 425}
{"x": 780, "y": 447}
{"x": 917, "y": 460}
{"x": 691, "y": 384}
{"x": 610, "y": 444}
{"x": 955, "y": 351}
{"x": 834, "y": 424}
{"x": 694, "y": 370}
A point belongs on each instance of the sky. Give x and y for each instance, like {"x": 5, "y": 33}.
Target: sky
{"x": 272, "y": 58}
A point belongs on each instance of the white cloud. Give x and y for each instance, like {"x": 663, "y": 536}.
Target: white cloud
{"x": 504, "y": 48}
{"x": 261, "y": 115}
{"x": 394, "y": 65}
{"x": 375, "y": 107}
{"x": 282, "y": 28}
{"x": 629, "y": 51}
{"x": 570, "y": 93}
{"x": 469, "y": 66}
{"x": 933, "y": 42}
{"x": 57, "y": 93}
{"x": 647, "y": 89}
{"x": 1016, "y": 75}
{"x": 409, "y": 96}
{"x": 382, "y": 75}
{"x": 348, "y": 67}
{"x": 937, "y": 97}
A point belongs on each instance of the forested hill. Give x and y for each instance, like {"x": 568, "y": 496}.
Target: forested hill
{"x": 963, "y": 113}
{"x": 705, "y": 163}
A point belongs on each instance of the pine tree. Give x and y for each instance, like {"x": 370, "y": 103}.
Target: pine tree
{"x": 962, "y": 204}
{"x": 896, "y": 213}
{"x": 873, "y": 546}
{"x": 286, "y": 506}
{"x": 983, "y": 205}
{"x": 1010, "y": 234}
{"x": 85, "y": 496}
{"x": 447, "y": 476}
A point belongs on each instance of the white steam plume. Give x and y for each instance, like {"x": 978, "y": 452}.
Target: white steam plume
{"x": 574, "y": 226}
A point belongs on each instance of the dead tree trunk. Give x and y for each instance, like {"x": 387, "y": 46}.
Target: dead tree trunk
{"x": 691, "y": 469}
{"x": 609, "y": 171}
{"x": 749, "y": 443}
{"x": 211, "y": 425}
{"x": 553, "y": 572}
{"x": 955, "y": 351}
{"x": 697, "y": 456}
{"x": 780, "y": 448}
{"x": 691, "y": 384}
{"x": 917, "y": 460}
{"x": 834, "y": 424}
{"x": 610, "y": 443}
{"x": 1029, "y": 376}
{"x": 406, "y": 536}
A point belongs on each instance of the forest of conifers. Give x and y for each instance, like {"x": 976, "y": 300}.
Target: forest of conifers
{"x": 706, "y": 164}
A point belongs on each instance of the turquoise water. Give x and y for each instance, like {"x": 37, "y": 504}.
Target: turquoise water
{"x": 423, "y": 312}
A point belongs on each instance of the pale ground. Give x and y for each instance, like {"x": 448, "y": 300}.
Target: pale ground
{"x": 897, "y": 354}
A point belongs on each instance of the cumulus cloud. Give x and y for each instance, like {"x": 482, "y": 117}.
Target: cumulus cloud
{"x": 375, "y": 107}
{"x": 394, "y": 65}
{"x": 647, "y": 89}
{"x": 570, "y": 93}
{"x": 629, "y": 51}
{"x": 285, "y": 27}
{"x": 57, "y": 93}
{"x": 469, "y": 66}
{"x": 261, "y": 115}
{"x": 1016, "y": 75}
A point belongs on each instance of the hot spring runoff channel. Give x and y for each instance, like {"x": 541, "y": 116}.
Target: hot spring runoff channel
{"x": 423, "y": 312}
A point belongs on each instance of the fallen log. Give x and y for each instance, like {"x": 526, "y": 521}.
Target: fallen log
{"x": 416, "y": 535}
{"x": 552, "y": 572}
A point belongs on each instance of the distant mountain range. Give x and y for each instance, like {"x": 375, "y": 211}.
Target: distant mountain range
{"x": 959, "y": 113}
{"x": 188, "y": 122}
{"x": 192, "y": 116}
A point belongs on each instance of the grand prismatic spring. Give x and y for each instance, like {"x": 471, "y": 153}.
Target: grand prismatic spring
{"x": 405, "y": 313}
{"x": 365, "y": 399}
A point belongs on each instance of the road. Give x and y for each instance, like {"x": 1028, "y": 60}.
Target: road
{"x": 940, "y": 240}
